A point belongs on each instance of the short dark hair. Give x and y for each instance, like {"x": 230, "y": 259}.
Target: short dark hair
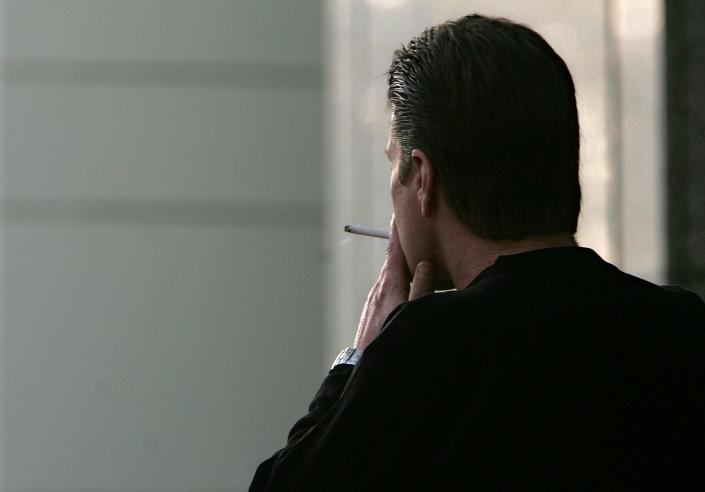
{"x": 493, "y": 106}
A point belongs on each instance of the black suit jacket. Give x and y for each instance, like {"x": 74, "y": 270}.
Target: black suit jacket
{"x": 552, "y": 370}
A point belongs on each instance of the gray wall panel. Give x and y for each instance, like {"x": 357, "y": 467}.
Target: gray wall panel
{"x": 282, "y": 31}
{"x": 160, "y": 240}
{"x": 144, "y": 358}
{"x": 162, "y": 143}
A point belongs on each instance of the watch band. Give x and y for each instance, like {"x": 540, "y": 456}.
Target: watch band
{"x": 348, "y": 355}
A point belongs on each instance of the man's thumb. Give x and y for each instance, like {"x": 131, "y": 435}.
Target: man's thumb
{"x": 423, "y": 281}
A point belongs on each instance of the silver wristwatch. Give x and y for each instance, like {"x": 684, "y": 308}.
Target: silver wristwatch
{"x": 348, "y": 355}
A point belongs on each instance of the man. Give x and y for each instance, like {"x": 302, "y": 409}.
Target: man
{"x": 547, "y": 368}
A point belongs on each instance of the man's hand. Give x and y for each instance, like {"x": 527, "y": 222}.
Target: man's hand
{"x": 391, "y": 289}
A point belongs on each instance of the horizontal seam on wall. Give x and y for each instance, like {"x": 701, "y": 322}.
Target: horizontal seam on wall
{"x": 161, "y": 73}
{"x": 167, "y": 212}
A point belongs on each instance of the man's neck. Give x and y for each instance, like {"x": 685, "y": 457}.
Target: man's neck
{"x": 467, "y": 255}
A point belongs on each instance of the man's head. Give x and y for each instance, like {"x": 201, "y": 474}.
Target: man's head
{"x": 490, "y": 107}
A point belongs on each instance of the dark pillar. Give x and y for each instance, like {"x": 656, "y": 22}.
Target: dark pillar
{"x": 685, "y": 119}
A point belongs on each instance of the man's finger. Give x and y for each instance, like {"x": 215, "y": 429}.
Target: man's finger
{"x": 395, "y": 256}
{"x": 423, "y": 281}
{"x": 393, "y": 237}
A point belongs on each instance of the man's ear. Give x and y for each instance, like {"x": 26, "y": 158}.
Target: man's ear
{"x": 424, "y": 181}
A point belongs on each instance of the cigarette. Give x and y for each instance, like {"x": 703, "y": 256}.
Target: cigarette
{"x": 367, "y": 231}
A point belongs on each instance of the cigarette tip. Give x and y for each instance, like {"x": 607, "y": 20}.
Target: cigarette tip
{"x": 346, "y": 228}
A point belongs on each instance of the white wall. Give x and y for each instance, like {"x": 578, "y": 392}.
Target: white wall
{"x": 161, "y": 240}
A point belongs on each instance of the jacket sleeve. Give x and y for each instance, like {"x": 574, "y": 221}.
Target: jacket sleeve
{"x": 368, "y": 428}
{"x": 329, "y": 392}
